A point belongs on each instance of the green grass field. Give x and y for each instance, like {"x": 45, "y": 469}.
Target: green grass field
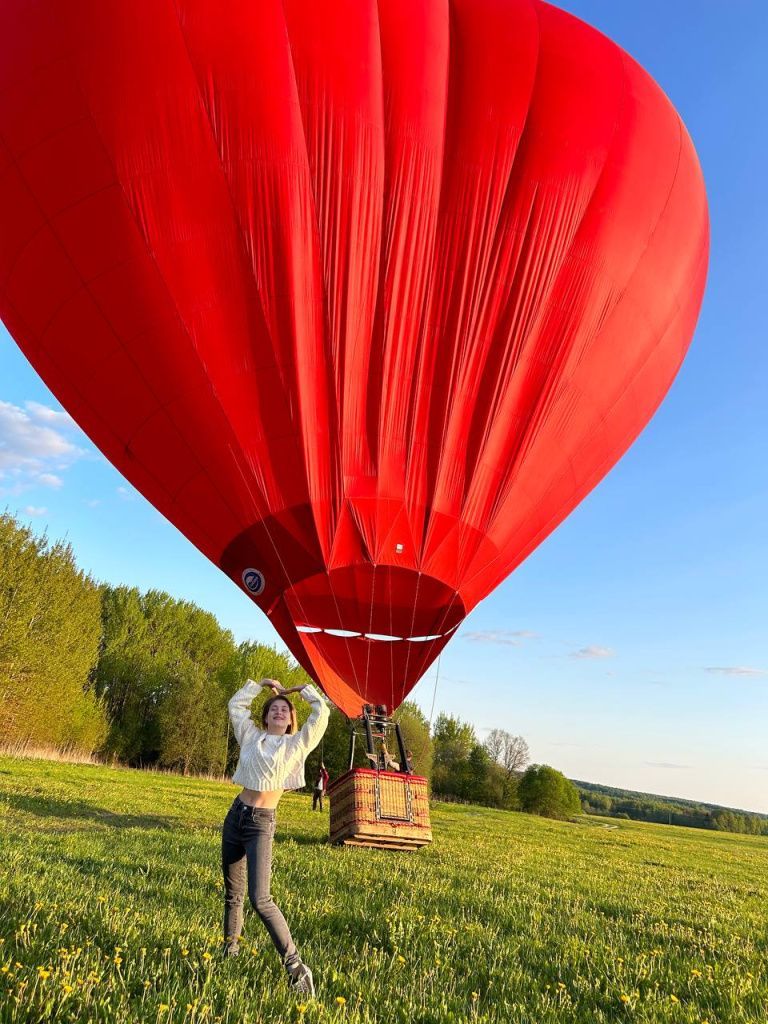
{"x": 111, "y": 906}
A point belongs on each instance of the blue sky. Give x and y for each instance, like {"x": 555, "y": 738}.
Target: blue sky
{"x": 631, "y": 648}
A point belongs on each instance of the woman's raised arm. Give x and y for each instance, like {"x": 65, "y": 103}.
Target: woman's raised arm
{"x": 310, "y": 734}
{"x": 240, "y": 709}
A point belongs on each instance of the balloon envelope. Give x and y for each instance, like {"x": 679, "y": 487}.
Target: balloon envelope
{"x": 363, "y": 296}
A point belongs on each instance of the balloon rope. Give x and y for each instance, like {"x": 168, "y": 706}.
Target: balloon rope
{"x": 345, "y": 639}
{"x": 434, "y": 691}
{"x": 432, "y": 711}
{"x": 370, "y": 629}
{"x": 410, "y": 648}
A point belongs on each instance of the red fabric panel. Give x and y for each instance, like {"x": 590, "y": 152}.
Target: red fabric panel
{"x": 363, "y": 295}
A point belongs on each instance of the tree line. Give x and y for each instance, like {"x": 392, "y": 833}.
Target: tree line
{"x": 144, "y": 679}
{"x": 618, "y": 803}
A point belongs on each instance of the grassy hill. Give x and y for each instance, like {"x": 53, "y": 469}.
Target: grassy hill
{"x": 110, "y": 901}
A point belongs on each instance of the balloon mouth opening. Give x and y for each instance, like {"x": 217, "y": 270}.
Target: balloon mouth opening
{"x": 377, "y": 604}
{"x": 369, "y": 632}
{"x": 375, "y": 637}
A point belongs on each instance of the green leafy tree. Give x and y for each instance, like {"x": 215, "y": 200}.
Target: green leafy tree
{"x": 49, "y": 641}
{"x": 453, "y": 741}
{"x": 162, "y": 673}
{"x": 415, "y": 729}
{"x": 546, "y": 791}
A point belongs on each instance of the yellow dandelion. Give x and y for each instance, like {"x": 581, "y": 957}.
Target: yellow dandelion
{"x": 43, "y": 973}
{"x": 695, "y": 973}
{"x": 147, "y": 984}
{"x": 624, "y": 997}
{"x": 561, "y": 985}
{"x": 189, "y": 1006}
{"x": 401, "y": 959}
{"x": 118, "y": 960}
{"x": 207, "y": 955}
{"x": 68, "y": 988}
{"x": 475, "y": 995}
{"x": 341, "y": 1000}
{"x": 674, "y": 999}
{"x": 184, "y": 952}
{"x": 163, "y": 1006}
{"x": 102, "y": 899}
{"x": 301, "y": 1008}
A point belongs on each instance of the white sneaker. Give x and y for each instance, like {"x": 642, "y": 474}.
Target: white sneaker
{"x": 301, "y": 980}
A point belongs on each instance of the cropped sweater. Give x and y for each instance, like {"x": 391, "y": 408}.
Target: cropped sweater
{"x": 274, "y": 762}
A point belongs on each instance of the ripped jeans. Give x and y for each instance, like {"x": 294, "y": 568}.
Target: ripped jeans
{"x": 246, "y": 858}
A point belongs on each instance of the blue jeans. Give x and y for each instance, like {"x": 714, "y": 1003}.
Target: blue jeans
{"x": 246, "y": 858}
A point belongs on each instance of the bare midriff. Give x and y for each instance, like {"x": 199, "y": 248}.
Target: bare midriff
{"x": 261, "y": 798}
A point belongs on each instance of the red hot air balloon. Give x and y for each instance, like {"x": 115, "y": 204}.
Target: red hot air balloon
{"x": 363, "y": 295}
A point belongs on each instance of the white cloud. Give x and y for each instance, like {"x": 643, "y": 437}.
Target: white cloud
{"x": 93, "y": 502}
{"x": 25, "y": 443}
{"x": 506, "y": 637}
{"x": 593, "y": 652}
{"x": 50, "y": 480}
{"x": 667, "y": 764}
{"x": 32, "y": 443}
{"x": 34, "y": 510}
{"x": 738, "y": 670}
{"x": 54, "y": 417}
{"x": 126, "y": 493}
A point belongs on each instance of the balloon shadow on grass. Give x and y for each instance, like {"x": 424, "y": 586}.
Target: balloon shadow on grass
{"x": 80, "y": 810}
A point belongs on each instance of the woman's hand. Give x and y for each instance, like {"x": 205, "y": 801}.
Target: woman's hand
{"x": 272, "y": 684}
{"x": 277, "y": 687}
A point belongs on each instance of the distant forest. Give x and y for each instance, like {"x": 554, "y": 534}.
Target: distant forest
{"x": 624, "y": 803}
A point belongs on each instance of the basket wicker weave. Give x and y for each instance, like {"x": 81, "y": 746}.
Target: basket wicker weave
{"x": 384, "y": 809}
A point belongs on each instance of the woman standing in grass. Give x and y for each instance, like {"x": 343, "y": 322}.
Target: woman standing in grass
{"x": 271, "y": 761}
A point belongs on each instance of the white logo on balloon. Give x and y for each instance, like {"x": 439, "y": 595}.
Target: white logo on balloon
{"x": 254, "y": 581}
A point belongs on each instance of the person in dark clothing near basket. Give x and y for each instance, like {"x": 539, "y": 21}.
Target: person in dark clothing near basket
{"x": 320, "y": 786}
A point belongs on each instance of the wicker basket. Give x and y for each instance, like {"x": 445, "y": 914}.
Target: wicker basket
{"x": 385, "y": 809}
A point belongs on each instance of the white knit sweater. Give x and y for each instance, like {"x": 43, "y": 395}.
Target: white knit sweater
{"x": 274, "y": 762}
